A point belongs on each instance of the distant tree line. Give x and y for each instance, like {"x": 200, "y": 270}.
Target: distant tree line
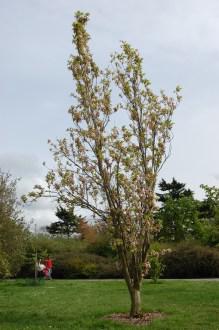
{"x": 180, "y": 217}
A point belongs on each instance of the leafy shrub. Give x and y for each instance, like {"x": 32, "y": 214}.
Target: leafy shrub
{"x": 55, "y": 245}
{"x": 84, "y": 265}
{"x": 13, "y": 231}
{"x": 4, "y": 266}
{"x": 189, "y": 260}
{"x": 73, "y": 257}
{"x": 208, "y": 232}
{"x": 102, "y": 247}
{"x": 45, "y": 244}
{"x": 156, "y": 266}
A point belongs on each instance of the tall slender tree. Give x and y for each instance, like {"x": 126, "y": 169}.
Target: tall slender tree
{"x": 110, "y": 170}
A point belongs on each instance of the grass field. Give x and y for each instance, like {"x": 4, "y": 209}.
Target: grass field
{"x": 72, "y": 304}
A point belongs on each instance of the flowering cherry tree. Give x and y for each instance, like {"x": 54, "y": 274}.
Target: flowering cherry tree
{"x": 112, "y": 170}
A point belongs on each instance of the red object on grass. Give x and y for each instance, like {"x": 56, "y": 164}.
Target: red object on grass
{"x": 48, "y": 263}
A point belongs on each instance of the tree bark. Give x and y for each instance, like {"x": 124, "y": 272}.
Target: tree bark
{"x": 134, "y": 285}
{"x": 35, "y": 269}
{"x": 135, "y": 303}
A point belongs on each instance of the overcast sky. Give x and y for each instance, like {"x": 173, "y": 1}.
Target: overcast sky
{"x": 179, "y": 43}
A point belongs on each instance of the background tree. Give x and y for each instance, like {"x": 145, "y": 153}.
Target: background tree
{"x": 173, "y": 190}
{"x": 209, "y": 216}
{"x": 87, "y": 231}
{"x": 109, "y": 170}
{"x": 68, "y": 223}
{"x": 179, "y": 219}
{"x": 178, "y": 212}
{"x": 13, "y": 234}
{"x": 209, "y": 206}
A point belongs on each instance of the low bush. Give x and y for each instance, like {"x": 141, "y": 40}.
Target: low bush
{"x": 84, "y": 265}
{"x": 55, "y": 245}
{"x": 102, "y": 247}
{"x": 44, "y": 245}
{"x": 189, "y": 260}
{"x": 70, "y": 265}
{"x": 75, "y": 258}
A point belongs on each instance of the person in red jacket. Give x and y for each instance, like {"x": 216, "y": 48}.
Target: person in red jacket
{"x": 48, "y": 270}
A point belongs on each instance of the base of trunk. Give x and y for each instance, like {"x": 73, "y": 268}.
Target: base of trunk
{"x": 135, "y": 303}
{"x": 145, "y": 319}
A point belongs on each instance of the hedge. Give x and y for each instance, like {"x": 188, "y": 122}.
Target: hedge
{"x": 191, "y": 261}
{"x": 85, "y": 265}
{"x": 78, "y": 265}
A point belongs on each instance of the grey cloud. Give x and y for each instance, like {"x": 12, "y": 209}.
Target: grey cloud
{"x": 20, "y": 165}
{"x": 30, "y": 171}
{"x": 40, "y": 217}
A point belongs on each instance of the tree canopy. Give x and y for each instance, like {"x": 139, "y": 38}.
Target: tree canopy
{"x": 174, "y": 190}
{"x": 13, "y": 234}
{"x": 68, "y": 223}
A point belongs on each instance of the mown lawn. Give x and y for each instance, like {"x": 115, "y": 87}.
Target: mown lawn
{"x": 74, "y": 304}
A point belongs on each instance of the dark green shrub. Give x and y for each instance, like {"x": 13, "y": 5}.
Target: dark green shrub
{"x": 73, "y": 258}
{"x": 189, "y": 260}
{"x": 84, "y": 265}
{"x": 55, "y": 245}
{"x": 45, "y": 244}
{"x": 102, "y": 247}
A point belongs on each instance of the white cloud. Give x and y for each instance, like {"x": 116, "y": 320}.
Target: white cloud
{"x": 178, "y": 41}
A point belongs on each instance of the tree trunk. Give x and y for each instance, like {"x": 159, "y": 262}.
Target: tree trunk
{"x": 35, "y": 269}
{"x": 135, "y": 303}
{"x": 134, "y": 288}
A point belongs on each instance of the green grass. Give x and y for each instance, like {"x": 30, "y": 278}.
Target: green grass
{"x": 74, "y": 304}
